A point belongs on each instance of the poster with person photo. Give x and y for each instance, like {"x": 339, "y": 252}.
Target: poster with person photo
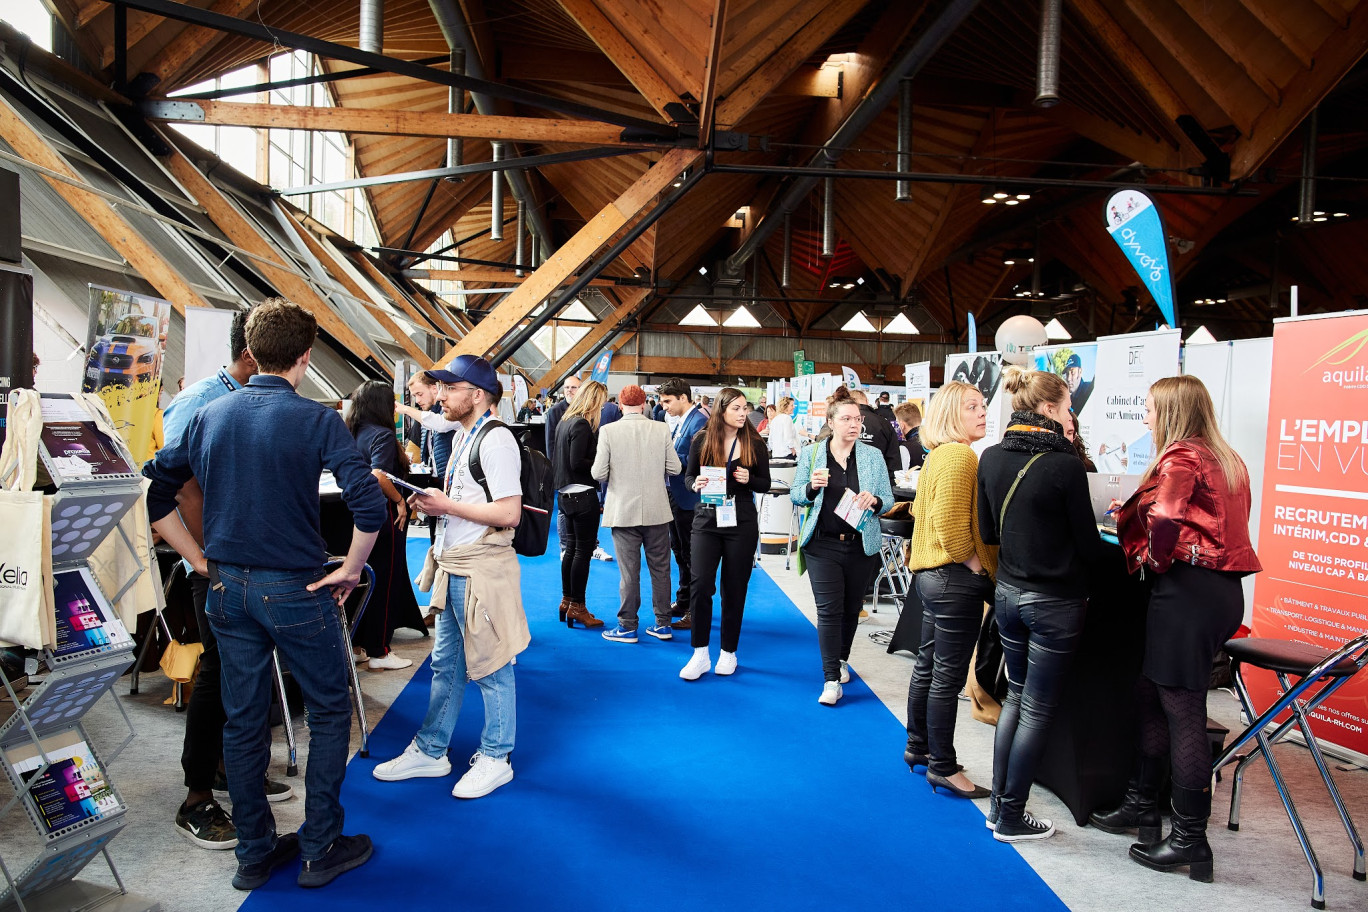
{"x": 125, "y": 342}
{"x": 1076, "y": 363}
{"x": 983, "y": 370}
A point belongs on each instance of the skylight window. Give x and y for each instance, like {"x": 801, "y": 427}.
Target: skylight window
{"x": 859, "y": 323}
{"x": 741, "y": 317}
{"x": 901, "y": 326}
{"x": 698, "y": 317}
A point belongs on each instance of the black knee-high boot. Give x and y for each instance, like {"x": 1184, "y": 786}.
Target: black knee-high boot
{"x": 1140, "y": 808}
{"x": 1186, "y": 845}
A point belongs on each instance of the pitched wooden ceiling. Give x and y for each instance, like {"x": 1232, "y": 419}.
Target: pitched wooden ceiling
{"x": 1242, "y": 75}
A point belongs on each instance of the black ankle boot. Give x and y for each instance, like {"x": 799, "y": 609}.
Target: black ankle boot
{"x": 1186, "y": 845}
{"x": 1139, "y": 810}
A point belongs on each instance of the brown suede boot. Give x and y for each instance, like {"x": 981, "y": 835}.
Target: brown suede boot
{"x": 576, "y": 611}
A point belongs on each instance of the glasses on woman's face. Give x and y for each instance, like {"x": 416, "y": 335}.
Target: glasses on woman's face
{"x": 850, "y": 419}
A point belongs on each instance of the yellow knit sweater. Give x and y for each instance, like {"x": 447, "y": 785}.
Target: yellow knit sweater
{"x": 946, "y": 529}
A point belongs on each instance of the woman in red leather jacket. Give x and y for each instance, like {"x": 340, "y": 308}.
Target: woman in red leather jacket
{"x": 1188, "y": 524}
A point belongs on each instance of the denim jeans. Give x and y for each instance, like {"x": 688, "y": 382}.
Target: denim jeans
{"x": 257, "y": 611}
{"x": 1040, "y": 634}
{"x": 952, "y": 613}
{"x": 449, "y": 686}
{"x": 839, "y": 572}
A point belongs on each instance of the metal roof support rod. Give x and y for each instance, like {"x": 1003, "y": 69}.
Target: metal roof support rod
{"x": 903, "y": 192}
{"x": 372, "y": 32}
{"x": 905, "y": 66}
{"x": 496, "y": 194}
{"x": 452, "y": 22}
{"x": 1306, "y": 201}
{"x": 829, "y": 217}
{"x": 786, "y": 270}
{"x": 587, "y": 275}
{"x": 1047, "y": 66}
{"x": 456, "y": 105}
{"x": 520, "y": 240}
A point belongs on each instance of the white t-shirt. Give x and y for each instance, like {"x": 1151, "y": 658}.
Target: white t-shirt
{"x": 783, "y": 436}
{"x": 502, "y": 463}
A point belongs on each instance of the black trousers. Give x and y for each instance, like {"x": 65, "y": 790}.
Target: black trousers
{"x": 952, "y": 613}
{"x": 734, "y": 550}
{"x": 579, "y": 553}
{"x": 839, "y": 572}
{"x": 1040, "y": 634}
{"x": 681, "y": 543}
{"x": 202, "y": 749}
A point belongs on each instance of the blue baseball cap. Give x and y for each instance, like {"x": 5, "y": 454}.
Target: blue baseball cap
{"x": 469, "y": 369}
{"x": 1074, "y": 361}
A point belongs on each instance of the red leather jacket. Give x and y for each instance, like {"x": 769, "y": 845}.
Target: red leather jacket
{"x": 1186, "y": 512}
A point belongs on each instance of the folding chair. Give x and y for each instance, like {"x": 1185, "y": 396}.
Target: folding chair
{"x": 1318, "y": 670}
{"x": 893, "y": 570}
{"x": 347, "y": 629}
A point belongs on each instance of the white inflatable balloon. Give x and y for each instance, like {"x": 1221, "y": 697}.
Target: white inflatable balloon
{"x": 1018, "y": 337}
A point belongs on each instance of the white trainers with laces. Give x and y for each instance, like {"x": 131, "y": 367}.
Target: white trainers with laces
{"x": 845, "y": 672}
{"x": 698, "y": 666}
{"x": 831, "y": 692}
{"x": 726, "y": 662}
{"x": 412, "y": 764}
{"x": 484, "y": 776}
{"x": 600, "y": 554}
{"x": 389, "y": 662}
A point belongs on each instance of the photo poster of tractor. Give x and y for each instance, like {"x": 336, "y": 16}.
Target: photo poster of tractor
{"x": 124, "y": 346}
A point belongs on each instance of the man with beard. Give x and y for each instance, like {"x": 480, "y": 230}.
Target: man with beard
{"x": 1079, "y": 389}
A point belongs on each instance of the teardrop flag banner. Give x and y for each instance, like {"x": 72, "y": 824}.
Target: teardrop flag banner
{"x": 1133, "y": 221}
{"x": 601, "y": 367}
{"x": 973, "y": 333}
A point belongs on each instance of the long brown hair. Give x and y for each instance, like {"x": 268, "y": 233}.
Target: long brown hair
{"x": 1183, "y": 410}
{"x": 749, "y": 443}
{"x": 588, "y": 403}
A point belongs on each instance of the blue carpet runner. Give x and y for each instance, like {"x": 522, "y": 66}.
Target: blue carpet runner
{"x": 637, "y": 790}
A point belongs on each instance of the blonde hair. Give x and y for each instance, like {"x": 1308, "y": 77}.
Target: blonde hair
{"x": 1183, "y": 411}
{"x": 944, "y": 418}
{"x": 785, "y": 405}
{"x": 588, "y": 403}
{"x": 1031, "y": 389}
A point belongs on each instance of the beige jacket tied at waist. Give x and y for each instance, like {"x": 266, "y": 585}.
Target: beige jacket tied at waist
{"x": 634, "y": 456}
{"x": 495, "y": 625}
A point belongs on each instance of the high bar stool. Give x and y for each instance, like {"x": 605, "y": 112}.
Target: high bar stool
{"x": 362, "y": 591}
{"x": 1320, "y": 670}
{"x": 893, "y": 570}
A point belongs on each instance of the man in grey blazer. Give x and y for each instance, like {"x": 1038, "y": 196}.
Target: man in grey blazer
{"x": 634, "y": 456}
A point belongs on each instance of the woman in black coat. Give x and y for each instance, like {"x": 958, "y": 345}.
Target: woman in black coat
{"x": 577, "y": 495}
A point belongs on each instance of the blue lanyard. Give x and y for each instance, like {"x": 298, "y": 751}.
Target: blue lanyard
{"x": 465, "y": 449}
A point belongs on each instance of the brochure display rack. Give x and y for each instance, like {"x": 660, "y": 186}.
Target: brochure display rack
{"x": 58, "y": 775}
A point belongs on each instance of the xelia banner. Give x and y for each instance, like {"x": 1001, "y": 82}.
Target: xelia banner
{"x": 1314, "y": 535}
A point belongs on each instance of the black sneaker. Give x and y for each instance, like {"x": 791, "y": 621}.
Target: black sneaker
{"x": 251, "y": 876}
{"x": 345, "y": 853}
{"x": 207, "y": 825}
{"x": 275, "y": 789}
{"x": 1028, "y": 828}
{"x": 994, "y": 812}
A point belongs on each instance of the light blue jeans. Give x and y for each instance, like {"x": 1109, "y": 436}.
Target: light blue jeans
{"x": 449, "y": 685}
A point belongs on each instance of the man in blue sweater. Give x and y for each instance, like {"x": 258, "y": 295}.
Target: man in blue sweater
{"x": 258, "y": 455}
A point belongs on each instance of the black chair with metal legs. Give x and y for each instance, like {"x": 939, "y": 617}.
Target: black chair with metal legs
{"x": 893, "y": 571}
{"x": 1320, "y": 673}
{"x": 361, "y": 596}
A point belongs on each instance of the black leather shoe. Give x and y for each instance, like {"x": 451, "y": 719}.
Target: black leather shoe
{"x": 915, "y": 760}
{"x": 684, "y": 623}
{"x": 1186, "y": 845}
{"x": 1139, "y": 809}
{"x": 251, "y": 876}
{"x": 345, "y": 853}
{"x": 940, "y": 782}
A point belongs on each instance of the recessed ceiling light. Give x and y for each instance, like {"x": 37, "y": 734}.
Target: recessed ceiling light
{"x": 702, "y": 270}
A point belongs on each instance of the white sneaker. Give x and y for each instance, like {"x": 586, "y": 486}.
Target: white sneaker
{"x": 389, "y": 662}
{"x": 484, "y": 776}
{"x": 698, "y": 666}
{"x": 412, "y": 764}
{"x": 726, "y": 662}
{"x": 845, "y": 672}
{"x": 831, "y": 692}
{"x": 600, "y": 554}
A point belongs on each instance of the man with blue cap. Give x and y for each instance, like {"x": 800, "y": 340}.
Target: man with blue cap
{"x": 472, "y": 573}
{"x": 1079, "y": 389}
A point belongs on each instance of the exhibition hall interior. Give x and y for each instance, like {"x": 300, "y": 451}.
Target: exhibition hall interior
{"x": 943, "y": 422}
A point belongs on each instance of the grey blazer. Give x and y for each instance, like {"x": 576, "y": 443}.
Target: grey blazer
{"x": 634, "y": 456}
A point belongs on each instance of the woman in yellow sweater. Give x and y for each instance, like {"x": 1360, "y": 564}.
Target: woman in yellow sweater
{"x": 954, "y": 571}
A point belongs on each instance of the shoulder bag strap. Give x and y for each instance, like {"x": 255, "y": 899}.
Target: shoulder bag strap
{"x": 1002, "y": 515}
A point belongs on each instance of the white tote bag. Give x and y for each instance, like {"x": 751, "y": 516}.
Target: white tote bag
{"x": 26, "y": 609}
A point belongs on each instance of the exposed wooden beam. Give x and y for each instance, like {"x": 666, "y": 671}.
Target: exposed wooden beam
{"x": 572, "y": 255}
{"x": 813, "y": 82}
{"x": 1335, "y": 10}
{"x": 1266, "y": 13}
{"x": 98, "y": 211}
{"x": 711, "y": 63}
{"x": 86, "y": 13}
{"x": 418, "y": 308}
{"x": 1336, "y": 57}
{"x": 242, "y": 232}
{"x": 481, "y": 274}
{"x": 193, "y": 42}
{"x": 619, "y": 49}
{"x": 393, "y": 123}
{"x": 706, "y": 367}
{"x": 741, "y": 100}
{"x": 326, "y": 255}
{"x": 589, "y": 342}
{"x": 1133, "y": 145}
{"x": 1236, "y": 47}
